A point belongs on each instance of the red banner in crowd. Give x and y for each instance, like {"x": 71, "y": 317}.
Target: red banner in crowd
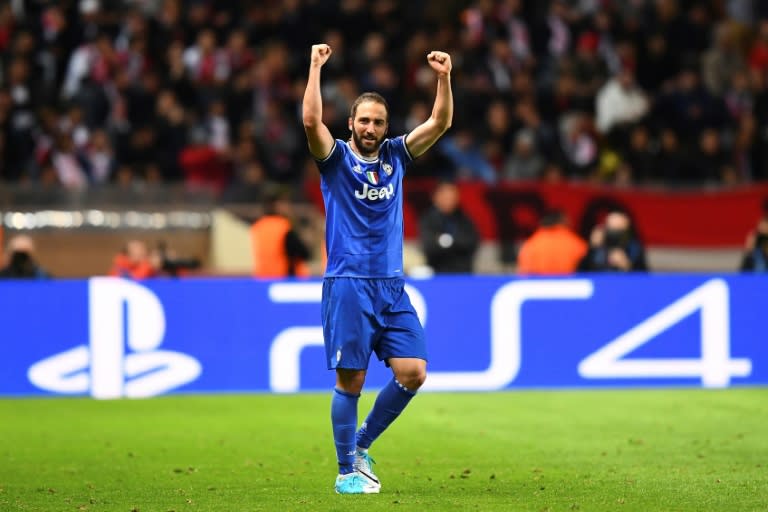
{"x": 510, "y": 212}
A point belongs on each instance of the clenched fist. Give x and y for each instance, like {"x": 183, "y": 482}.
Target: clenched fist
{"x": 320, "y": 54}
{"x": 440, "y": 62}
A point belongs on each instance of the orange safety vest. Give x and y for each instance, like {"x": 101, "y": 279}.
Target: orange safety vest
{"x": 551, "y": 250}
{"x": 268, "y": 243}
{"x": 122, "y": 266}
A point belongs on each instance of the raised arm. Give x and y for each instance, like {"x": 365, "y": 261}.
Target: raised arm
{"x": 318, "y": 136}
{"x": 423, "y": 136}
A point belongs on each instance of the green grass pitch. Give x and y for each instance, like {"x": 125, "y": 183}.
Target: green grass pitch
{"x": 643, "y": 450}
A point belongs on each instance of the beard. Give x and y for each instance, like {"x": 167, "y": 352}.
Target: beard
{"x": 367, "y": 150}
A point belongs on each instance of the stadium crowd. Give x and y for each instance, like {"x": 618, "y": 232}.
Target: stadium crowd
{"x": 207, "y": 93}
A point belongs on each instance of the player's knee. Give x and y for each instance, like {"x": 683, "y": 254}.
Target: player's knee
{"x": 412, "y": 378}
{"x": 350, "y": 381}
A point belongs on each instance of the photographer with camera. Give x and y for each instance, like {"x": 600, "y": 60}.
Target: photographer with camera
{"x": 172, "y": 265}
{"x": 613, "y": 247}
{"x": 136, "y": 261}
{"x": 755, "y": 258}
{"x": 20, "y": 260}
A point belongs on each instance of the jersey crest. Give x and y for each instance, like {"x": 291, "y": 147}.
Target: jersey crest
{"x": 373, "y": 177}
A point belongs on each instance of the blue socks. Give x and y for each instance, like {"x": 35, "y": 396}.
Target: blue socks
{"x": 344, "y": 421}
{"x": 389, "y": 404}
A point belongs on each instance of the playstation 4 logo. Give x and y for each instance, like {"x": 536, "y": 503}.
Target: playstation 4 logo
{"x": 122, "y": 359}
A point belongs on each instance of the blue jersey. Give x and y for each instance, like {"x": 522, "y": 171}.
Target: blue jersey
{"x": 364, "y": 210}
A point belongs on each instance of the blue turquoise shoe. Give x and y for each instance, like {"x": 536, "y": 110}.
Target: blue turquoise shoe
{"x": 364, "y": 465}
{"x": 354, "y": 483}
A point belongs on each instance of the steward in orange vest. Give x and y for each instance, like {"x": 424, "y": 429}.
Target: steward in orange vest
{"x": 277, "y": 249}
{"x": 553, "y": 249}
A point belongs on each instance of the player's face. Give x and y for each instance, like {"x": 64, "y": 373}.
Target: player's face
{"x": 369, "y": 127}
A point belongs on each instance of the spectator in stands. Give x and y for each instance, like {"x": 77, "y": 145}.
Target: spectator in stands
{"x": 278, "y": 250}
{"x": 171, "y": 134}
{"x": 68, "y": 164}
{"x": 511, "y": 16}
{"x": 620, "y": 102}
{"x": 73, "y": 124}
{"x": 449, "y": 238}
{"x": 135, "y": 261}
{"x": 553, "y": 36}
{"x": 544, "y": 61}
{"x": 169, "y": 263}
{"x": 709, "y": 160}
{"x": 561, "y": 100}
{"x": 216, "y": 127}
{"x": 250, "y": 184}
{"x": 578, "y": 144}
{"x": 92, "y": 62}
{"x": 658, "y": 63}
{"x": 525, "y": 163}
{"x": 671, "y": 166}
{"x": 20, "y": 130}
{"x": 738, "y": 96}
{"x": 20, "y": 260}
{"x": 239, "y": 56}
{"x": 99, "y": 158}
{"x": 640, "y": 156}
{"x": 743, "y": 158}
{"x": 758, "y": 53}
{"x": 206, "y": 63}
{"x": 723, "y": 59}
{"x": 529, "y": 118}
{"x": 613, "y": 246}
{"x": 465, "y": 153}
{"x": 552, "y": 249}
{"x": 498, "y": 135}
{"x": 755, "y": 259}
{"x": 689, "y": 108}
{"x": 280, "y": 139}
{"x": 590, "y": 70}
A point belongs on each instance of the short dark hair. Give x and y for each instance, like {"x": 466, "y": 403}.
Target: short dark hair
{"x": 369, "y": 96}
{"x": 552, "y": 217}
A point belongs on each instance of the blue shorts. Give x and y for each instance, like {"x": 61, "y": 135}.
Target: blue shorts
{"x": 361, "y": 316}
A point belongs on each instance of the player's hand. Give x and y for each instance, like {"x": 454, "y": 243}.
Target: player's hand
{"x": 440, "y": 62}
{"x": 320, "y": 54}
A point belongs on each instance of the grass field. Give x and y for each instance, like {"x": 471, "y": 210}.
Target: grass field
{"x": 652, "y": 450}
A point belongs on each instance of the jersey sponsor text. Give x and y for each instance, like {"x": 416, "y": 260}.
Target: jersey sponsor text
{"x": 373, "y": 193}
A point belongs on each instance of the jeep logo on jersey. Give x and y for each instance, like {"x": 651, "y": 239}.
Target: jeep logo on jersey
{"x": 373, "y": 177}
{"x": 373, "y": 194}
{"x": 387, "y": 169}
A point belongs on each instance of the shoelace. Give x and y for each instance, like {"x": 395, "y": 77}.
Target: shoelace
{"x": 367, "y": 458}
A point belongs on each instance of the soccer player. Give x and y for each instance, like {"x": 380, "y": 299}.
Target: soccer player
{"x": 364, "y": 306}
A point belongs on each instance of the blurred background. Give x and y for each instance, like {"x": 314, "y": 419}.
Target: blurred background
{"x": 149, "y": 137}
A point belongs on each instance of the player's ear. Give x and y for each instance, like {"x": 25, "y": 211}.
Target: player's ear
{"x": 349, "y": 123}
